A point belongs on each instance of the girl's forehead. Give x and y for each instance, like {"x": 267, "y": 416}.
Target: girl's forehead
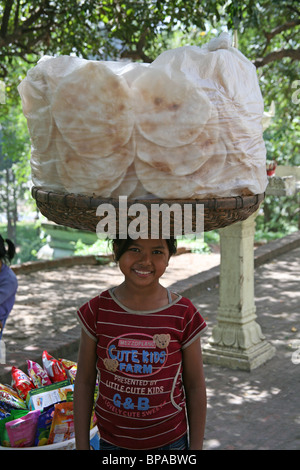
{"x": 149, "y": 243}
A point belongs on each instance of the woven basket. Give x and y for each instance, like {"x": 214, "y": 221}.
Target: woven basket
{"x": 79, "y": 212}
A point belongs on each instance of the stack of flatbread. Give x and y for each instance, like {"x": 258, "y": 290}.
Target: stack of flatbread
{"x": 189, "y": 125}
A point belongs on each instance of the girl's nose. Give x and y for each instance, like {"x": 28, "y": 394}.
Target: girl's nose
{"x": 145, "y": 257}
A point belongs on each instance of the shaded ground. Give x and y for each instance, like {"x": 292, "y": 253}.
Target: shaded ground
{"x": 246, "y": 410}
{"x": 260, "y": 409}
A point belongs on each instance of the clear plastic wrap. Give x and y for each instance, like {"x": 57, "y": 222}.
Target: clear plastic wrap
{"x": 189, "y": 125}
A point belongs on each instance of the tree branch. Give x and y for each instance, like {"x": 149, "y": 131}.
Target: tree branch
{"x": 279, "y": 29}
{"x": 5, "y": 18}
{"x": 294, "y": 54}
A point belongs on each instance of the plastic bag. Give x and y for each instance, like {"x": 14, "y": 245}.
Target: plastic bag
{"x": 43, "y": 426}
{"x": 21, "y": 382}
{"x": 21, "y": 431}
{"x": 54, "y": 368}
{"x": 9, "y": 398}
{"x": 37, "y": 374}
{"x": 62, "y": 427}
{"x": 189, "y": 125}
{"x": 71, "y": 368}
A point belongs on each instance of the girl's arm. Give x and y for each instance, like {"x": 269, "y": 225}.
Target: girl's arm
{"x": 84, "y": 390}
{"x": 195, "y": 389}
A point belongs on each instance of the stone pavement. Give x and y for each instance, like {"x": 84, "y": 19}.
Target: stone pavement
{"x": 257, "y": 410}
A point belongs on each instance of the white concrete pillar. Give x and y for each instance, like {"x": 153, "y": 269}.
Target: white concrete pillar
{"x": 237, "y": 341}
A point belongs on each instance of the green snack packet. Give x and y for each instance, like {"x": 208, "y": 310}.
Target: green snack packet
{"x": 4, "y": 439}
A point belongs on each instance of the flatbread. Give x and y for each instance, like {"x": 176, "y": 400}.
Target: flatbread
{"x": 168, "y": 113}
{"x": 161, "y": 183}
{"x": 207, "y": 179}
{"x": 37, "y": 110}
{"x": 86, "y": 175}
{"x": 224, "y": 70}
{"x": 92, "y": 109}
{"x": 44, "y": 165}
{"x": 55, "y": 69}
{"x": 127, "y": 185}
{"x": 185, "y": 159}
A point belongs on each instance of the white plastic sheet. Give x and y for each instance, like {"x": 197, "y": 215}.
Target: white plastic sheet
{"x": 189, "y": 125}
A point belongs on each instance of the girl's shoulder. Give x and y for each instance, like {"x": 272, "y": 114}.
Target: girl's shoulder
{"x": 182, "y": 301}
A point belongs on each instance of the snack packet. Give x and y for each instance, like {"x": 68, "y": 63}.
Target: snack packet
{"x": 4, "y": 439}
{"x": 62, "y": 427}
{"x": 15, "y": 414}
{"x": 41, "y": 398}
{"x": 71, "y": 368}
{"x": 21, "y": 382}
{"x": 54, "y": 368}
{"x": 44, "y": 426}
{"x": 4, "y": 413}
{"x": 9, "y": 398}
{"x": 21, "y": 431}
{"x": 37, "y": 374}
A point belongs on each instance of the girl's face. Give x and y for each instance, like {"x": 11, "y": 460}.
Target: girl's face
{"x": 144, "y": 261}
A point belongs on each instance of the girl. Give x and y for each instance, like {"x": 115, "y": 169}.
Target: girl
{"x": 8, "y": 282}
{"x": 143, "y": 340}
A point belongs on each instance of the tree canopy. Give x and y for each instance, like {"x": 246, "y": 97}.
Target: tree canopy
{"x": 268, "y": 34}
{"x": 130, "y": 28}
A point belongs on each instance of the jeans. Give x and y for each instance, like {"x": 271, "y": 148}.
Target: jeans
{"x": 181, "y": 444}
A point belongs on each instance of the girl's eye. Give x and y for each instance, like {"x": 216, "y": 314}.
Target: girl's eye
{"x": 157, "y": 252}
{"x": 134, "y": 249}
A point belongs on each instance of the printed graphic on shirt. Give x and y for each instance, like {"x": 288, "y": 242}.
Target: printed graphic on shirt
{"x": 137, "y": 355}
{"x": 136, "y": 359}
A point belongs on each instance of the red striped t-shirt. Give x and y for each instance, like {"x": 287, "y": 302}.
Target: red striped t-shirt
{"x": 141, "y": 400}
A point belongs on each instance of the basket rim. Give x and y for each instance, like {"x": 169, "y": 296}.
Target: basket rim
{"x": 72, "y": 200}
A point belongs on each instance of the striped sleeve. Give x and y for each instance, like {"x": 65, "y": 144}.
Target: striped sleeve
{"x": 87, "y": 316}
{"x": 194, "y": 325}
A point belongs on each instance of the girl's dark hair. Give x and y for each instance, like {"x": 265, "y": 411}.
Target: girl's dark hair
{"x": 6, "y": 254}
{"x": 121, "y": 245}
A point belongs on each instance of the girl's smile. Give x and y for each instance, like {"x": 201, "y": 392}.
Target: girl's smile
{"x": 142, "y": 273}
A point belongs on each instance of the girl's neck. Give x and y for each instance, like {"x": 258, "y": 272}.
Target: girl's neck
{"x": 148, "y": 298}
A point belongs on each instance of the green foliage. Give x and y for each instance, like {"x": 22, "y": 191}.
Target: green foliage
{"x": 28, "y": 241}
{"x": 268, "y": 33}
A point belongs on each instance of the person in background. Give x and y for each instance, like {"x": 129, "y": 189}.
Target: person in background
{"x": 8, "y": 281}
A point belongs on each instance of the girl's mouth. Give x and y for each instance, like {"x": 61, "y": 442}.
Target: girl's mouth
{"x": 142, "y": 273}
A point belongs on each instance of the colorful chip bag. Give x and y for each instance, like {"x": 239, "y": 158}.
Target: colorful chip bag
{"x": 9, "y": 398}
{"x": 21, "y": 382}
{"x": 71, "y": 368}
{"x": 4, "y": 439}
{"x": 4, "y": 413}
{"x": 62, "y": 427}
{"x": 37, "y": 374}
{"x": 44, "y": 426}
{"x": 15, "y": 414}
{"x": 21, "y": 431}
{"x": 54, "y": 368}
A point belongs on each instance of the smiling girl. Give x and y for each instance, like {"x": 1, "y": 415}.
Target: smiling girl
{"x": 144, "y": 343}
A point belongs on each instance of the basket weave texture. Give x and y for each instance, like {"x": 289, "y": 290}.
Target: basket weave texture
{"x": 79, "y": 212}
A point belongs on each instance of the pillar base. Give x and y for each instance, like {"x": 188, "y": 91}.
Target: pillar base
{"x": 233, "y": 358}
